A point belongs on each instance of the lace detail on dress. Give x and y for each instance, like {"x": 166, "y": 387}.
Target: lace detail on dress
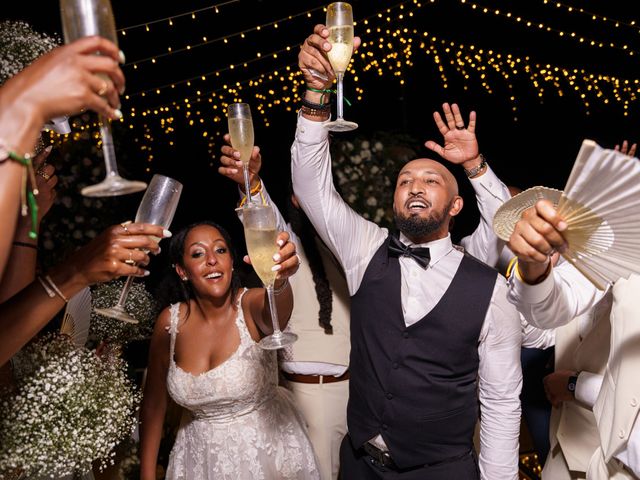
{"x": 240, "y": 425}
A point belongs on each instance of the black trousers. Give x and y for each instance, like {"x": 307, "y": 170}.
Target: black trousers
{"x": 357, "y": 465}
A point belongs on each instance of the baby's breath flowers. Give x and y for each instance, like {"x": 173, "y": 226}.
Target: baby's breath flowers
{"x": 70, "y": 408}
{"x": 140, "y": 305}
{"x": 19, "y": 46}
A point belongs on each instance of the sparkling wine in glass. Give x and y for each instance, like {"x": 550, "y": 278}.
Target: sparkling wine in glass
{"x": 158, "y": 206}
{"x": 241, "y": 133}
{"x": 340, "y": 26}
{"x": 260, "y": 234}
{"x": 82, "y": 18}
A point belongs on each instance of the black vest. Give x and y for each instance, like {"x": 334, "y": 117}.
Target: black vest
{"x": 416, "y": 386}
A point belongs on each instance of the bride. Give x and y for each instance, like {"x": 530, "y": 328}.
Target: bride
{"x": 239, "y": 423}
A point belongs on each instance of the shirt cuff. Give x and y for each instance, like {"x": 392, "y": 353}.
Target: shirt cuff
{"x": 531, "y": 294}
{"x": 310, "y": 132}
{"x": 587, "y": 388}
{"x": 488, "y": 182}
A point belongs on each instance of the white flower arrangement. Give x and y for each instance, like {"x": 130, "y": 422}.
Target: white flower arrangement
{"x": 19, "y": 46}
{"x": 140, "y": 304}
{"x": 366, "y": 171}
{"x": 70, "y": 408}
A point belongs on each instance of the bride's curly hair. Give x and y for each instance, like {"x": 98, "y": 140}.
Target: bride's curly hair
{"x": 173, "y": 289}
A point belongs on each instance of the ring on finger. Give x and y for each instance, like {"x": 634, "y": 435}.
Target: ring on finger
{"x": 130, "y": 260}
{"x": 124, "y": 225}
{"x": 458, "y": 127}
{"x": 43, "y": 174}
{"x": 103, "y": 88}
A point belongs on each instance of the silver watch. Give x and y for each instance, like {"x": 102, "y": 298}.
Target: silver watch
{"x": 472, "y": 172}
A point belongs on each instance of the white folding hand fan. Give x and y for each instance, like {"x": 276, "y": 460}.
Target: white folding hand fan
{"x": 601, "y": 205}
{"x": 77, "y": 317}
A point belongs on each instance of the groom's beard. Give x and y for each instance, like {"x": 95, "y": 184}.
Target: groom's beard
{"x": 414, "y": 226}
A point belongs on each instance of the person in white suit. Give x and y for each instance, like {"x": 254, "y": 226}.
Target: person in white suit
{"x": 549, "y": 297}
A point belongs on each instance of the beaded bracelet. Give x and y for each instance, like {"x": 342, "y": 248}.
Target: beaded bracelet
{"x": 27, "y": 197}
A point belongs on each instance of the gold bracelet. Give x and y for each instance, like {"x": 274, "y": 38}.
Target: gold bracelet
{"x": 538, "y": 280}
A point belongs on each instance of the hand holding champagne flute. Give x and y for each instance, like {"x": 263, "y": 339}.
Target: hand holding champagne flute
{"x": 261, "y": 236}
{"x": 82, "y": 18}
{"x": 340, "y": 25}
{"x": 158, "y": 206}
{"x": 241, "y": 133}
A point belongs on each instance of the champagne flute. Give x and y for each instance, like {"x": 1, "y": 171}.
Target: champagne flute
{"x": 340, "y": 26}
{"x": 157, "y": 207}
{"x": 241, "y": 133}
{"x": 82, "y": 18}
{"x": 260, "y": 234}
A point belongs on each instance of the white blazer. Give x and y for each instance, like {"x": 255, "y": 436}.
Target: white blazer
{"x": 616, "y": 408}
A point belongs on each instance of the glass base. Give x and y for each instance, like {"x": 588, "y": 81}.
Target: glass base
{"x": 113, "y": 186}
{"x": 340, "y": 125}
{"x": 277, "y": 341}
{"x": 117, "y": 312}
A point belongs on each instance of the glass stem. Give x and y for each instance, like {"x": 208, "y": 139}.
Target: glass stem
{"x": 125, "y": 293}
{"x": 274, "y": 311}
{"x": 108, "y": 152}
{"x": 340, "y": 95}
{"x": 247, "y": 184}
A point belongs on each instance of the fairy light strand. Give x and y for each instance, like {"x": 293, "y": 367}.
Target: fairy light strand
{"x": 541, "y": 26}
{"x": 225, "y": 38}
{"x": 216, "y": 8}
{"x": 594, "y": 16}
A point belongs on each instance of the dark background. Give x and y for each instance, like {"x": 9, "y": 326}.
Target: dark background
{"x": 535, "y": 144}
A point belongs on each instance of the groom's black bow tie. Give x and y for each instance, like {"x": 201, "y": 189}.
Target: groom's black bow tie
{"x": 419, "y": 254}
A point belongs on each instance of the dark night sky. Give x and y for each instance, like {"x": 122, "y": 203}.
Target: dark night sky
{"x": 538, "y": 148}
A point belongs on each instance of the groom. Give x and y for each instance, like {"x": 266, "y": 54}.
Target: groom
{"x": 432, "y": 334}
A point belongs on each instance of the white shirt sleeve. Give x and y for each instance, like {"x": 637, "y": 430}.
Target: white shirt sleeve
{"x": 352, "y": 239}
{"x": 483, "y": 243}
{"x": 499, "y": 385}
{"x": 587, "y": 388}
{"x": 555, "y": 301}
{"x": 534, "y": 337}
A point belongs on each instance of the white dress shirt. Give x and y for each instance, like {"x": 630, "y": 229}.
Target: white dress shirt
{"x": 559, "y": 298}
{"x": 286, "y": 362}
{"x": 354, "y": 241}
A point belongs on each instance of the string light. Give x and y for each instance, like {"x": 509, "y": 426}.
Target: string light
{"x": 170, "y": 19}
{"x": 224, "y": 38}
{"x": 390, "y": 49}
{"x": 541, "y": 26}
{"x": 245, "y": 63}
{"x": 594, "y": 16}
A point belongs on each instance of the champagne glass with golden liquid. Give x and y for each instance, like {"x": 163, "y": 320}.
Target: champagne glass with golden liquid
{"x": 82, "y": 18}
{"x": 260, "y": 233}
{"x": 340, "y": 26}
{"x": 241, "y": 133}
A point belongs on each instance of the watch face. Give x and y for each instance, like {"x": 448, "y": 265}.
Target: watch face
{"x": 571, "y": 387}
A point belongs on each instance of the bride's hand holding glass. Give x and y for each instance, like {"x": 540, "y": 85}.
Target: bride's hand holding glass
{"x": 274, "y": 273}
{"x": 231, "y": 165}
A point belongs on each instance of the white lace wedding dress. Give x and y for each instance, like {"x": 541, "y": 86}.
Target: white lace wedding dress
{"x": 241, "y": 424}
